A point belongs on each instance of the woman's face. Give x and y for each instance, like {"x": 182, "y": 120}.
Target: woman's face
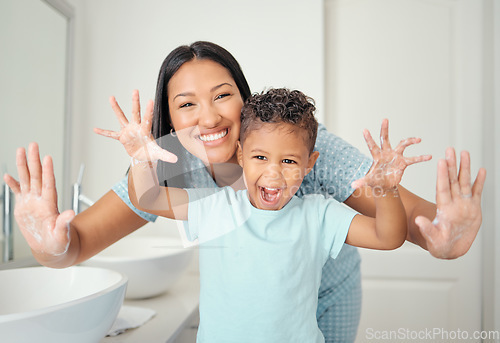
{"x": 205, "y": 105}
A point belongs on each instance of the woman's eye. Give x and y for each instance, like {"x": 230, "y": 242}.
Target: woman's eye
{"x": 288, "y": 161}
{"x": 187, "y": 104}
{"x": 220, "y": 96}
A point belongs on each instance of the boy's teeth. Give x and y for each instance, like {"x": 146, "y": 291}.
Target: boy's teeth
{"x": 213, "y": 137}
{"x": 270, "y": 194}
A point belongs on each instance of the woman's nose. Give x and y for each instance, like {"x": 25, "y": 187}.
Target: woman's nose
{"x": 209, "y": 117}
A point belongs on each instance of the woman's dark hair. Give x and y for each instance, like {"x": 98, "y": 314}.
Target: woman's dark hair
{"x": 162, "y": 123}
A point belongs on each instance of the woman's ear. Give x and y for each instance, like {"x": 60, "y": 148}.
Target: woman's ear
{"x": 312, "y": 160}
{"x": 239, "y": 153}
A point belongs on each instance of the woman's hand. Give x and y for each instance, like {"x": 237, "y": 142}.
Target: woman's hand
{"x": 388, "y": 164}
{"x": 458, "y": 216}
{"x": 136, "y": 135}
{"x": 44, "y": 228}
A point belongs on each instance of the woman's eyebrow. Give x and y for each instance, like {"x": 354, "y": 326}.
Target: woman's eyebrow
{"x": 211, "y": 90}
{"x": 219, "y": 86}
{"x": 183, "y": 94}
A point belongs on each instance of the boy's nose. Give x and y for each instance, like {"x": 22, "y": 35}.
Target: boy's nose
{"x": 273, "y": 172}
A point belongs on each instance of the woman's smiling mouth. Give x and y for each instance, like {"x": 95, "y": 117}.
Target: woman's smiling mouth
{"x": 213, "y": 136}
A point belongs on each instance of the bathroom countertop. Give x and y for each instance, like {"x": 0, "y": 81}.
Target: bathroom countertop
{"x": 175, "y": 310}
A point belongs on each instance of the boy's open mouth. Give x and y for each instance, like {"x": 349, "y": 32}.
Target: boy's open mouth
{"x": 270, "y": 196}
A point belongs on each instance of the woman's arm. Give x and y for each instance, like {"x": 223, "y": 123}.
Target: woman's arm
{"x": 56, "y": 239}
{"x": 448, "y": 228}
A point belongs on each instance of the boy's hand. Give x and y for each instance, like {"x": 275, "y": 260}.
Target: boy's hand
{"x": 388, "y": 164}
{"x": 136, "y": 135}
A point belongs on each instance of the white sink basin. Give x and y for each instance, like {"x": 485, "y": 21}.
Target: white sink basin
{"x": 151, "y": 263}
{"x": 77, "y": 304}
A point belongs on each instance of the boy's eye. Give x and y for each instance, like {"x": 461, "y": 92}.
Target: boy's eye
{"x": 288, "y": 161}
{"x": 260, "y": 157}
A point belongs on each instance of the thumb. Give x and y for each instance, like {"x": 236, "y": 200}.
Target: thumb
{"x": 62, "y": 223}
{"x": 426, "y": 227}
{"x": 167, "y": 156}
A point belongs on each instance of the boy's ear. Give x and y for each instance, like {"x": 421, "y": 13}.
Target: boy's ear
{"x": 239, "y": 154}
{"x": 312, "y": 160}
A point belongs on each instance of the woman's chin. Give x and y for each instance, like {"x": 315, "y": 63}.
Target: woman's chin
{"x": 216, "y": 156}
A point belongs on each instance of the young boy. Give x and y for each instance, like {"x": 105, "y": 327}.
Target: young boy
{"x": 262, "y": 249}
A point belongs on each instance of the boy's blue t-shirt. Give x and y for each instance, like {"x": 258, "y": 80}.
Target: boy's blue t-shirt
{"x": 260, "y": 271}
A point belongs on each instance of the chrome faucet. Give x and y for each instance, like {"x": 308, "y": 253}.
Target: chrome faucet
{"x": 78, "y": 197}
{"x": 8, "y": 236}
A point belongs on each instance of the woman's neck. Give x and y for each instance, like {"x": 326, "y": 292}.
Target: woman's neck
{"x": 225, "y": 174}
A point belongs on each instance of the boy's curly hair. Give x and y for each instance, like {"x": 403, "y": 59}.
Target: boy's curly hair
{"x": 280, "y": 105}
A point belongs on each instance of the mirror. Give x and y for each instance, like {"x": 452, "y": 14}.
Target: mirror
{"x": 34, "y": 88}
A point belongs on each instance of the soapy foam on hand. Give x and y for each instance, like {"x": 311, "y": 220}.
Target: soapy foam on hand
{"x": 30, "y": 225}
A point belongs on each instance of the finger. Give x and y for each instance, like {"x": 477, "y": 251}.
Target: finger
{"x": 443, "y": 192}
{"x": 118, "y": 112}
{"x": 477, "y": 188}
{"x": 384, "y": 135}
{"x": 107, "y": 133}
{"x": 12, "y": 183}
{"x": 405, "y": 143}
{"x": 464, "y": 179}
{"x": 374, "y": 149}
{"x": 35, "y": 169}
{"x": 451, "y": 161}
{"x": 136, "y": 107}
{"x": 49, "y": 191}
{"x": 148, "y": 116}
{"x": 22, "y": 170}
{"x": 417, "y": 159}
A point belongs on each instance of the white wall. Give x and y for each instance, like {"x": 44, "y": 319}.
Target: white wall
{"x": 120, "y": 45}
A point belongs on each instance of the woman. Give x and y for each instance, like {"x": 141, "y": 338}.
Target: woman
{"x": 200, "y": 92}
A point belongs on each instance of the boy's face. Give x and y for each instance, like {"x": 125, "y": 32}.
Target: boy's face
{"x": 275, "y": 160}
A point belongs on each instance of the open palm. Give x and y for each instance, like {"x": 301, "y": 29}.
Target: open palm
{"x": 458, "y": 217}
{"x": 44, "y": 228}
{"x": 135, "y": 135}
{"x": 388, "y": 164}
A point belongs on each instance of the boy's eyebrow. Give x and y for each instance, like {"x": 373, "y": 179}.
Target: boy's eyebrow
{"x": 257, "y": 150}
{"x": 211, "y": 90}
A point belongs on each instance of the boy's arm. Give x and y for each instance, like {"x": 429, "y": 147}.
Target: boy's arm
{"x": 147, "y": 195}
{"x": 144, "y": 190}
{"x": 384, "y": 232}
{"x": 389, "y": 227}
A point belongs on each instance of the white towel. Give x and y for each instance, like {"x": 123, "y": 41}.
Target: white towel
{"x": 130, "y": 317}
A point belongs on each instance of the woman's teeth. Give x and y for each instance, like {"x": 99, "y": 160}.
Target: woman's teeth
{"x": 214, "y": 136}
